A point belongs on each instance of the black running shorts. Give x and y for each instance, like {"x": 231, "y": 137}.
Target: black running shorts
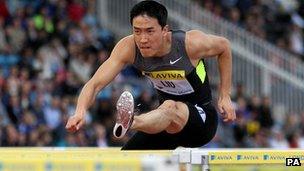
{"x": 196, "y": 132}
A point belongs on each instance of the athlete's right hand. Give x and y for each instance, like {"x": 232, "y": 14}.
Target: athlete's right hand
{"x": 75, "y": 122}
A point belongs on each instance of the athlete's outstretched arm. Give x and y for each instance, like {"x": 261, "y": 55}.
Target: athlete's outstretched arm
{"x": 122, "y": 54}
{"x": 200, "y": 45}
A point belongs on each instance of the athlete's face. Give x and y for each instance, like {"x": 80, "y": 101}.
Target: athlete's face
{"x": 149, "y": 35}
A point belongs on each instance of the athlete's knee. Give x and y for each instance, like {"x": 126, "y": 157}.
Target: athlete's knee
{"x": 174, "y": 111}
{"x": 180, "y": 106}
{"x": 174, "y": 108}
{"x": 168, "y": 104}
{"x": 180, "y": 118}
{"x": 168, "y": 109}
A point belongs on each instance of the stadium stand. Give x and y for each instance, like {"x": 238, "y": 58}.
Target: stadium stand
{"x": 279, "y": 22}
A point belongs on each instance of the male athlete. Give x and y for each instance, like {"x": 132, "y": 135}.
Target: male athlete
{"x": 174, "y": 62}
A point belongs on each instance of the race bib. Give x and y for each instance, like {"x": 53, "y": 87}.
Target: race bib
{"x": 171, "y": 82}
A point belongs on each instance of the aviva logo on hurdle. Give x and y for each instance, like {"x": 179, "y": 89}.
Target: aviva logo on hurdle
{"x": 293, "y": 162}
{"x": 247, "y": 157}
{"x": 221, "y": 157}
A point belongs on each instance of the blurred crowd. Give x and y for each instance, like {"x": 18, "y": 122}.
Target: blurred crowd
{"x": 280, "y": 22}
{"x": 50, "y": 48}
{"x": 257, "y": 126}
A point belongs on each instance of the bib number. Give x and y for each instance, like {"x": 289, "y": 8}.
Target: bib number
{"x": 171, "y": 82}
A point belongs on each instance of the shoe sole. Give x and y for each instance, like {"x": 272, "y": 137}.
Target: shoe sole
{"x": 124, "y": 106}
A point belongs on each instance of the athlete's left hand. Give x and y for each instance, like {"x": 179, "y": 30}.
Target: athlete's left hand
{"x": 226, "y": 108}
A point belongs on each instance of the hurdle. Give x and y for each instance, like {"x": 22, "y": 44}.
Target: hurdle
{"x": 85, "y": 159}
{"x": 113, "y": 159}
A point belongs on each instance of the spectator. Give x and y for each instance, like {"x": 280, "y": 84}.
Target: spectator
{"x": 265, "y": 114}
{"x": 3, "y": 9}
{"x": 278, "y": 140}
{"x": 101, "y": 139}
{"x": 52, "y": 113}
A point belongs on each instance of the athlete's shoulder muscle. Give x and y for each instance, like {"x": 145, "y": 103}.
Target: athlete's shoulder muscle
{"x": 124, "y": 50}
{"x": 200, "y": 45}
{"x": 122, "y": 54}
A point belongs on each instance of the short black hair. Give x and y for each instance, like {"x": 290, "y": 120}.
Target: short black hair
{"x": 151, "y": 9}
